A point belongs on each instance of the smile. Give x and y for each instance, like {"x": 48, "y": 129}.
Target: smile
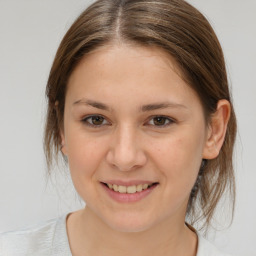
{"x": 129, "y": 189}
{"x": 128, "y": 194}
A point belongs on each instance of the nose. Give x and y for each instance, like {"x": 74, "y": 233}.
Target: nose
{"x": 125, "y": 150}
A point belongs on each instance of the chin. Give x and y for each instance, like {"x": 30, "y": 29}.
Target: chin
{"x": 129, "y": 224}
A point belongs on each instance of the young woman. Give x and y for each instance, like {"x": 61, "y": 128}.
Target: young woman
{"x": 139, "y": 107}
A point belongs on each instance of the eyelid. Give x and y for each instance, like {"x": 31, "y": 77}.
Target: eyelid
{"x": 85, "y": 122}
{"x": 170, "y": 121}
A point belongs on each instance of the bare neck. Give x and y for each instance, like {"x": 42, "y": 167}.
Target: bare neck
{"x": 88, "y": 235}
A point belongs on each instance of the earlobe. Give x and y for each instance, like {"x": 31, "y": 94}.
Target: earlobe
{"x": 217, "y": 130}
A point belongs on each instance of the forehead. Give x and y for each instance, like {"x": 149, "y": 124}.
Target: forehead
{"x": 129, "y": 55}
{"x": 131, "y": 70}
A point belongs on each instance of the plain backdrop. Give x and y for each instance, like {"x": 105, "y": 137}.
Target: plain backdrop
{"x": 30, "y": 31}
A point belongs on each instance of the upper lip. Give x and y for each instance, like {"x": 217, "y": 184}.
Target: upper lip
{"x": 128, "y": 183}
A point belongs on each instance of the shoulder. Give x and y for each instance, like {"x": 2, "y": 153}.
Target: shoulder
{"x": 205, "y": 248}
{"x": 47, "y": 238}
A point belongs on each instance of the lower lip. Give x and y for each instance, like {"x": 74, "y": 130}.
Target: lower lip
{"x": 128, "y": 198}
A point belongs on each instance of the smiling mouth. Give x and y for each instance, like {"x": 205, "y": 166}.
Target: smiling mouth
{"x": 129, "y": 189}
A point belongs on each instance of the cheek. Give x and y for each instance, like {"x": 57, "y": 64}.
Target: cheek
{"x": 84, "y": 156}
{"x": 178, "y": 158}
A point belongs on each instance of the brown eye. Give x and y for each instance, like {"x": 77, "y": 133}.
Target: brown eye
{"x": 160, "y": 121}
{"x": 95, "y": 121}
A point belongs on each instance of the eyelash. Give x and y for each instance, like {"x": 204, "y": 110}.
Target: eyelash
{"x": 168, "y": 119}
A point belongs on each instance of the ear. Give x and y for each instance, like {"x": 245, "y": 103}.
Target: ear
{"x": 63, "y": 143}
{"x": 217, "y": 130}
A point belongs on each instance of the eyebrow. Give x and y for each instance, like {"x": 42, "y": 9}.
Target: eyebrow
{"x": 144, "y": 108}
{"x": 93, "y": 103}
{"x": 156, "y": 106}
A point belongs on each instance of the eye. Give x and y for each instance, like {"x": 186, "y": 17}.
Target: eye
{"x": 161, "y": 121}
{"x": 95, "y": 121}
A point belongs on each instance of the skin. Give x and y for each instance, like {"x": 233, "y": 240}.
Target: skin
{"x": 129, "y": 144}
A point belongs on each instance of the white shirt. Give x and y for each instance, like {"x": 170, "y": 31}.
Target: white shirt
{"x": 50, "y": 238}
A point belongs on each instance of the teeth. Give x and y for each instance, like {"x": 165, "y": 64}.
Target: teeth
{"x": 145, "y": 186}
{"x": 129, "y": 189}
{"x": 139, "y": 188}
{"x": 121, "y": 189}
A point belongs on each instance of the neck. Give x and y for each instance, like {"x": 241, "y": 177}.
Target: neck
{"x": 89, "y": 235}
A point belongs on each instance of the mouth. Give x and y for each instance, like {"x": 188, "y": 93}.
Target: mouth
{"x": 129, "y": 189}
{"x": 129, "y": 194}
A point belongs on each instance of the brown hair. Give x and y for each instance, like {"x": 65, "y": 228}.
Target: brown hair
{"x": 185, "y": 34}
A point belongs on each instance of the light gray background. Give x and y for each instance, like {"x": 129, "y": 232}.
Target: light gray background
{"x": 30, "y": 31}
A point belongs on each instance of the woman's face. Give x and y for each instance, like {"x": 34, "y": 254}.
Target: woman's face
{"x": 130, "y": 119}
